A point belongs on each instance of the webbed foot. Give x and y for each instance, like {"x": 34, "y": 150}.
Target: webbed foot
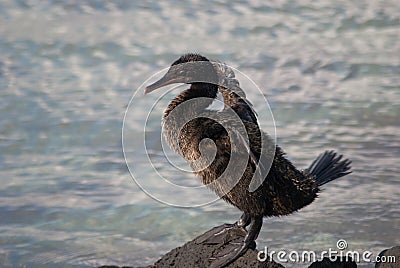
{"x": 237, "y": 247}
{"x": 217, "y": 235}
{"x": 220, "y": 234}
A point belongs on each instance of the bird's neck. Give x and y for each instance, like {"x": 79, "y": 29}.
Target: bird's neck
{"x": 184, "y": 108}
{"x": 193, "y": 100}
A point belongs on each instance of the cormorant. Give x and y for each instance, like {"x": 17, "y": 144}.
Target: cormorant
{"x": 234, "y": 97}
{"x": 187, "y": 123}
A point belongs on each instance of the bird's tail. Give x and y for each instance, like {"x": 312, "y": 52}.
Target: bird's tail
{"x": 328, "y": 167}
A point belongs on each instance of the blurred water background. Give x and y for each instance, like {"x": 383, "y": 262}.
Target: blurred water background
{"x": 331, "y": 73}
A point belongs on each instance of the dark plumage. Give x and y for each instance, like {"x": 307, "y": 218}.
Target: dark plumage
{"x": 285, "y": 188}
{"x": 234, "y": 97}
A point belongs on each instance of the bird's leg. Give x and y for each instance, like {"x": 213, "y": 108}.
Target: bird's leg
{"x": 218, "y": 235}
{"x": 244, "y": 220}
{"x": 235, "y": 250}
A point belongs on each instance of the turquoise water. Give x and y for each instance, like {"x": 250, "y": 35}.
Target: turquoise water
{"x": 331, "y": 73}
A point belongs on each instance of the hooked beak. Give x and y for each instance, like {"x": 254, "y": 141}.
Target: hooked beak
{"x": 167, "y": 79}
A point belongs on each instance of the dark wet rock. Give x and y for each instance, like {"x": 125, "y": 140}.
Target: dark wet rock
{"x": 387, "y": 255}
{"x": 339, "y": 263}
{"x": 197, "y": 253}
{"x": 113, "y": 266}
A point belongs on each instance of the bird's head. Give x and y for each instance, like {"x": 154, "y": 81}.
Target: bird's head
{"x": 189, "y": 69}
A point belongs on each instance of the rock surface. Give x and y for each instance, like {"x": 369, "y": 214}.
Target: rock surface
{"x": 195, "y": 254}
{"x": 198, "y": 254}
{"x": 385, "y": 255}
{"x": 327, "y": 263}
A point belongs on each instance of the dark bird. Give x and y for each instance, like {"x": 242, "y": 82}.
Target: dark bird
{"x": 234, "y": 97}
{"x": 211, "y": 140}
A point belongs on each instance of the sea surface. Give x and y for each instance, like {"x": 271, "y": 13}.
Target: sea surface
{"x": 330, "y": 71}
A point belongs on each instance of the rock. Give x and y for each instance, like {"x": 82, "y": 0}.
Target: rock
{"x": 113, "y": 266}
{"x": 339, "y": 263}
{"x": 389, "y": 255}
{"x": 197, "y": 253}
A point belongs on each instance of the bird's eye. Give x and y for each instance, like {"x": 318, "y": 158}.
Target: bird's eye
{"x": 181, "y": 72}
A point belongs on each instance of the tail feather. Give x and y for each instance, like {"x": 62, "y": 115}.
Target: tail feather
{"x": 329, "y": 166}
